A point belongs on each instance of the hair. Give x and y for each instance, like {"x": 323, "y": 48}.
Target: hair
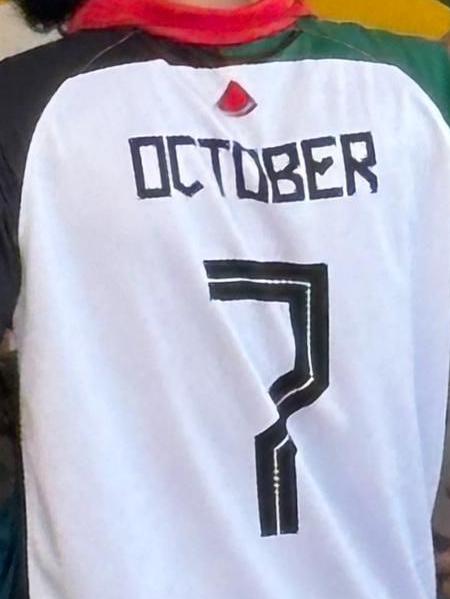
{"x": 46, "y": 14}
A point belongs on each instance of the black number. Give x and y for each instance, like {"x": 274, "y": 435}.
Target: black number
{"x": 305, "y": 289}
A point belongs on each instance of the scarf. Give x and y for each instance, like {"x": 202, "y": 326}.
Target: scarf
{"x": 192, "y": 24}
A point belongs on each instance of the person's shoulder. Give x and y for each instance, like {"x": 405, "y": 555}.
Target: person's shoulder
{"x": 377, "y": 44}
{"x": 54, "y": 61}
{"x": 28, "y": 82}
{"x": 425, "y": 61}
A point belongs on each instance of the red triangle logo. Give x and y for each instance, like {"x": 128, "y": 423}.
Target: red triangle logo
{"x": 235, "y": 101}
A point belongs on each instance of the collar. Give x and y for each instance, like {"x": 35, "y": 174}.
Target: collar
{"x": 191, "y": 24}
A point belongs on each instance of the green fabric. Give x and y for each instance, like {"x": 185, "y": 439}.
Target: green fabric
{"x": 427, "y": 63}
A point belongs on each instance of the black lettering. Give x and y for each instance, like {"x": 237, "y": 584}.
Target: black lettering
{"x": 285, "y": 174}
{"x": 354, "y": 165}
{"x": 214, "y": 146}
{"x": 143, "y": 191}
{"x": 319, "y": 167}
{"x": 172, "y": 143}
{"x": 262, "y": 194}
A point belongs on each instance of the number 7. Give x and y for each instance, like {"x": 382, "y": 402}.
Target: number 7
{"x": 305, "y": 289}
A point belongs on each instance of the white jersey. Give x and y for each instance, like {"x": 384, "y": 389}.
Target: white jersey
{"x": 233, "y": 321}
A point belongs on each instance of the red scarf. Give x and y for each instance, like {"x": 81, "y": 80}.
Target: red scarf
{"x": 191, "y": 24}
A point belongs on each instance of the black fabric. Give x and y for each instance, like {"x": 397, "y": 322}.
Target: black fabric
{"x": 9, "y": 257}
{"x": 27, "y": 82}
{"x": 13, "y": 579}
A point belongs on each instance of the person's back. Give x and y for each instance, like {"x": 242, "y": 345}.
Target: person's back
{"x": 233, "y": 321}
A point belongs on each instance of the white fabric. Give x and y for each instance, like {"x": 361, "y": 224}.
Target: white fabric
{"x": 141, "y": 398}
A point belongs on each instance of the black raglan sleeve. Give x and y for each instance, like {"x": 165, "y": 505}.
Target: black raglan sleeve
{"x": 27, "y": 83}
{"x": 9, "y": 253}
